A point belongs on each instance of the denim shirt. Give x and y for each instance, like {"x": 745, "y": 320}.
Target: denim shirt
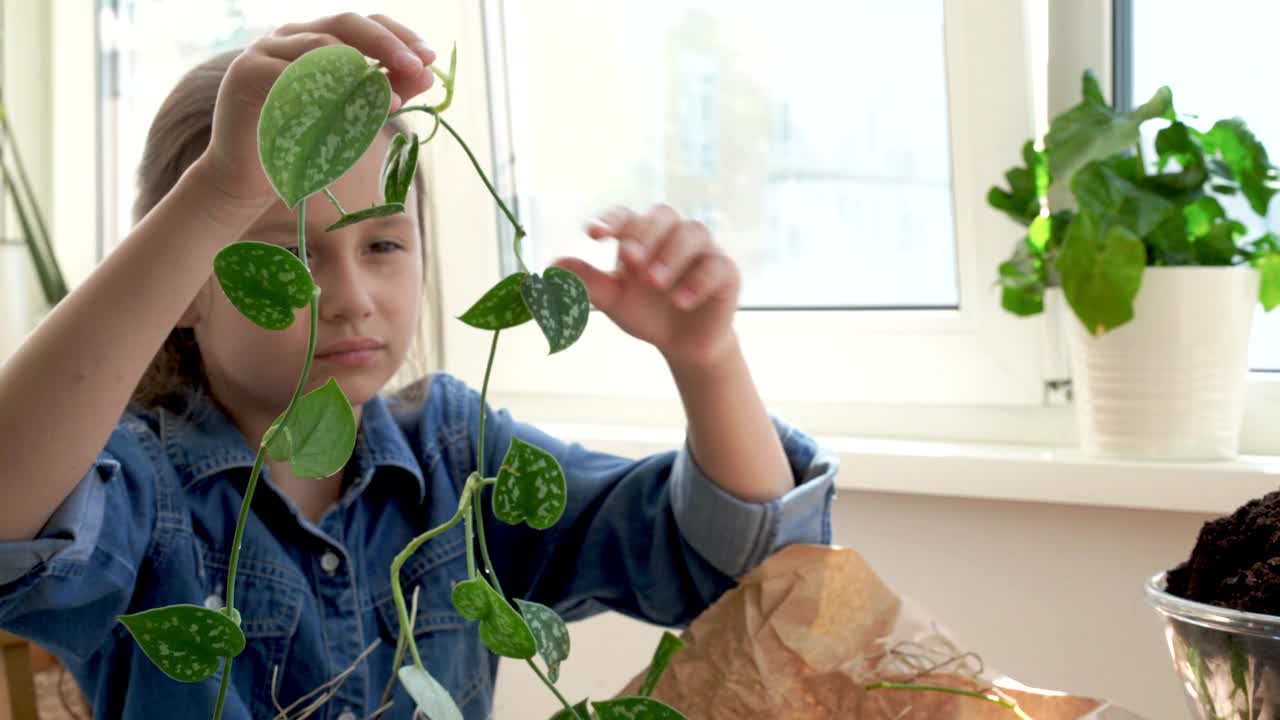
{"x": 151, "y": 524}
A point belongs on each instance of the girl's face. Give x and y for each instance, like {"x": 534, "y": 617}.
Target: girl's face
{"x": 370, "y": 277}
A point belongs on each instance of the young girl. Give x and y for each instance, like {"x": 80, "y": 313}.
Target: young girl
{"x": 133, "y": 413}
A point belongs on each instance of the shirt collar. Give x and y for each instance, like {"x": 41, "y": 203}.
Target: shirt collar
{"x": 205, "y": 442}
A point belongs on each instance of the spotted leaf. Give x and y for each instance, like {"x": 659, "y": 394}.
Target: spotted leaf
{"x": 558, "y": 302}
{"x": 550, "y": 633}
{"x": 500, "y": 308}
{"x": 376, "y": 211}
{"x": 398, "y": 168}
{"x": 321, "y": 115}
{"x": 265, "y": 282}
{"x": 501, "y": 627}
{"x": 668, "y": 646}
{"x": 429, "y": 695}
{"x": 635, "y": 708}
{"x": 187, "y": 642}
{"x": 530, "y": 487}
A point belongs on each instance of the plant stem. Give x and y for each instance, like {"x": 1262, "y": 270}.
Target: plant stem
{"x": 1012, "y": 705}
{"x": 551, "y": 685}
{"x": 464, "y": 504}
{"x": 56, "y": 280}
{"x": 335, "y": 202}
{"x": 476, "y": 164}
{"x": 490, "y": 572}
{"x": 245, "y": 504}
{"x": 468, "y": 522}
{"x": 222, "y": 689}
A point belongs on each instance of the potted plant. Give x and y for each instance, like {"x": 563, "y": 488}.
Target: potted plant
{"x": 1157, "y": 264}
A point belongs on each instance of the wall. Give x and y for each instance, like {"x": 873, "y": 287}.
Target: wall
{"x": 1048, "y": 594}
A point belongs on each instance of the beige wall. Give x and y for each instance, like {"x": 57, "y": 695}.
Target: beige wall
{"x": 1048, "y": 594}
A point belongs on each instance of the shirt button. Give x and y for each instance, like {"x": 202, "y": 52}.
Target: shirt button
{"x": 330, "y": 562}
{"x": 347, "y": 715}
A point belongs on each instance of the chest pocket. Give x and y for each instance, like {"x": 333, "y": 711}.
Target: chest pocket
{"x": 449, "y": 644}
{"x": 269, "y": 597}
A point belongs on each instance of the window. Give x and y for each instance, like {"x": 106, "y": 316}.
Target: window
{"x": 1158, "y": 55}
{"x": 841, "y": 151}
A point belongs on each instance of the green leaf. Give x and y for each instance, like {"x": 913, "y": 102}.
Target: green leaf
{"x": 322, "y": 114}
{"x": 636, "y": 708}
{"x": 1101, "y": 275}
{"x": 1092, "y": 130}
{"x": 1091, "y": 89}
{"x": 558, "y": 302}
{"x": 668, "y": 646}
{"x": 1100, "y": 190}
{"x": 1218, "y": 246}
{"x": 1269, "y": 294}
{"x": 530, "y": 487}
{"x": 1202, "y": 214}
{"x": 1027, "y": 185}
{"x": 264, "y": 282}
{"x": 429, "y": 695}
{"x": 501, "y": 307}
{"x": 376, "y": 211}
{"x": 580, "y": 712}
{"x": 501, "y": 627}
{"x": 398, "y": 168}
{"x": 1175, "y": 144}
{"x": 1169, "y": 242}
{"x": 319, "y": 436}
{"x": 1246, "y": 159}
{"x": 187, "y": 642}
{"x": 551, "y": 634}
{"x": 1022, "y": 283}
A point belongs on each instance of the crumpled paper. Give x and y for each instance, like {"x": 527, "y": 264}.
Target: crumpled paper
{"x": 806, "y": 633}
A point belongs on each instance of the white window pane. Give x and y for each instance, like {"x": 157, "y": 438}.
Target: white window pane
{"x": 1216, "y": 90}
{"x": 811, "y": 136}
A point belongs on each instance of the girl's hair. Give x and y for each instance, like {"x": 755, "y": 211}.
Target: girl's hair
{"x": 178, "y": 136}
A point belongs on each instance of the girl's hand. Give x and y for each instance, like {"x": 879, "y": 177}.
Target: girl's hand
{"x": 232, "y": 155}
{"x": 673, "y": 287}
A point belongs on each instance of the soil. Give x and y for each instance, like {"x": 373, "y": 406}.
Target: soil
{"x": 1236, "y": 560}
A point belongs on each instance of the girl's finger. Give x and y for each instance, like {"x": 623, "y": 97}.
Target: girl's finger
{"x": 684, "y": 242}
{"x": 369, "y": 37}
{"x": 410, "y": 38}
{"x": 609, "y": 222}
{"x": 711, "y": 275}
{"x": 640, "y": 233}
{"x": 602, "y": 287}
{"x": 291, "y": 47}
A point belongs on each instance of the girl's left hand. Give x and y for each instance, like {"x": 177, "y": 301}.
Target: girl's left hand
{"x": 672, "y": 287}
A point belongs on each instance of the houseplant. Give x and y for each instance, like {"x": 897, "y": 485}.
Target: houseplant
{"x": 1156, "y": 263}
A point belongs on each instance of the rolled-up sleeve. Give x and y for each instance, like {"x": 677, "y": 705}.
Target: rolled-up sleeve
{"x": 70, "y": 534}
{"x": 735, "y": 536}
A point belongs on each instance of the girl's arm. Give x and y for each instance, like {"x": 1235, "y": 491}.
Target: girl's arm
{"x": 63, "y": 390}
{"x": 675, "y": 289}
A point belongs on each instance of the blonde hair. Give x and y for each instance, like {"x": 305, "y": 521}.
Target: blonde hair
{"x": 179, "y": 135}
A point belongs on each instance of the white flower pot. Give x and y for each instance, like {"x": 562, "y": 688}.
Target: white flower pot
{"x": 1170, "y": 383}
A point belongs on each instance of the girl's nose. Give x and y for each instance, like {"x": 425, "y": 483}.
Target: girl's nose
{"x": 345, "y": 294}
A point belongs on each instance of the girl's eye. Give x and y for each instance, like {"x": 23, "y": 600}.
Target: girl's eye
{"x": 385, "y": 246}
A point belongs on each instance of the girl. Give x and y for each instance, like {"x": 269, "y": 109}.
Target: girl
{"x": 135, "y": 409}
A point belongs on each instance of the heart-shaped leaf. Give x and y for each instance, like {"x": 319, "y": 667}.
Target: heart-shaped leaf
{"x": 319, "y": 436}
{"x": 429, "y": 695}
{"x": 187, "y": 642}
{"x": 1101, "y": 275}
{"x": 501, "y": 627}
{"x": 264, "y": 282}
{"x": 580, "y": 712}
{"x": 550, "y": 633}
{"x": 398, "y": 168}
{"x": 376, "y": 211}
{"x": 1092, "y": 130}
{"x": 322, "y": 114}
{"x": 668, "y": 646}
{"x": 530, "y": 487}
{"x": 559, "y": 304}
{"x": 636, "y": 708}
{"x": 501, "y": 307}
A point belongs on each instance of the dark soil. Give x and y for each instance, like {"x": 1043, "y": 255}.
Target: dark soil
{"x": 1236, "y": 560}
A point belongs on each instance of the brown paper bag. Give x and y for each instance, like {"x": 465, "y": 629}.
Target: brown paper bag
{"x": 808, "y": 632}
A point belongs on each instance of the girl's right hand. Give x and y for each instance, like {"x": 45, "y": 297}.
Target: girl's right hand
{"x": 231, "y": 159}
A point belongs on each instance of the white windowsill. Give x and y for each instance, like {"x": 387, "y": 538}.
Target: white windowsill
{"x": 996, "y": 472}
